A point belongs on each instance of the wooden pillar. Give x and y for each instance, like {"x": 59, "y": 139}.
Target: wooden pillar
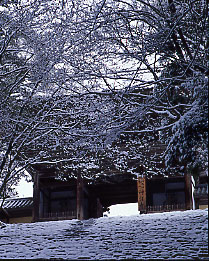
{"x": 92, "y": 205}
{"x": 36, "y": 197}
{"x": 80, "y": 198}
{"x": 99, "y": 208}
{"x": 49, "y": 201}
{"x": 142, "y": 195}
{"x": 188, "y": 192}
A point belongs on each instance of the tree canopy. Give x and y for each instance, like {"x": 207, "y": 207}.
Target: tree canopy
{"x": 82, "y": 83}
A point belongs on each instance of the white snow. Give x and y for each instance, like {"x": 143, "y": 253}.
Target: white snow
{"x": 175, "y": 235}
{"x": 123, "y": 210}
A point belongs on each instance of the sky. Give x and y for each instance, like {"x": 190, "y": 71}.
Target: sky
{"x": 25, "y": 189}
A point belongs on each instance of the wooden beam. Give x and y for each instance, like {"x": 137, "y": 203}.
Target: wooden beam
{"x": 142, "y": 194}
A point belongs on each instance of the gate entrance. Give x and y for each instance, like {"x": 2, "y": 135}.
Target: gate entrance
{"x": 83, "y": 198}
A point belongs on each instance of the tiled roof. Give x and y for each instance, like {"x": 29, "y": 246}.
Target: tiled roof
{"x": 17, "y": 203}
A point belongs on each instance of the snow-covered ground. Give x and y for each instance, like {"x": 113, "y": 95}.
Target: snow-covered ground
{"x": 175, "y": 235}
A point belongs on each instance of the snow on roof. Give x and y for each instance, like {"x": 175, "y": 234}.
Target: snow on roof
{"x": 14, "y": 203}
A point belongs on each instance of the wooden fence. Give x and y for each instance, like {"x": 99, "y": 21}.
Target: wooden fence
{"x": 166, "y": 208}
{"x": 71, "y": 214}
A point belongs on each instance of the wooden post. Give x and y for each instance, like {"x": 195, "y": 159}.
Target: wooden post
{"x": 80, "y": 198}
{"x": 188, "y": 192}
{"x": 142, "y": 194}
{"x": 99, "y": 208}
{"x": 36, "y": 198}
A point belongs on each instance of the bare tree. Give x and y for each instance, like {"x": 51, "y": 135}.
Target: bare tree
{"x": 154, "y": 60}
{"x": 29, "y": 59}
{"x": 46, "y": 117}
{"x": 76, "y": 76}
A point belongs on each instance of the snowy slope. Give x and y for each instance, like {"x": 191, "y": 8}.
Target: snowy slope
{"x": 176, "y": 235}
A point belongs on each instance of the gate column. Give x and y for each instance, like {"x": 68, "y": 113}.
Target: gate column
{"x": 188, "y": 192}
{"x": 36, "y": 198}
{"x": 142, "y": 194}
{"x": 80, "y": 197}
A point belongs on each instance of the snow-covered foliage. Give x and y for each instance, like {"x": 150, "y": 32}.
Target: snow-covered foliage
{"x": 84, "y": 83}
{"x": 163, "y": 93}
{"x": 29, "y": 69}
{"x": 188, "y": 144}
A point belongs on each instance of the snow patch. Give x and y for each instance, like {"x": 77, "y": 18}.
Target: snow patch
{"x": 174, "y": 235}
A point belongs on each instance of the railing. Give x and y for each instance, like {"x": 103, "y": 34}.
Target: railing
{"x": 166, "y": 208}
{"x": 201, "y": 189}
{"x": 71, "y": 214}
